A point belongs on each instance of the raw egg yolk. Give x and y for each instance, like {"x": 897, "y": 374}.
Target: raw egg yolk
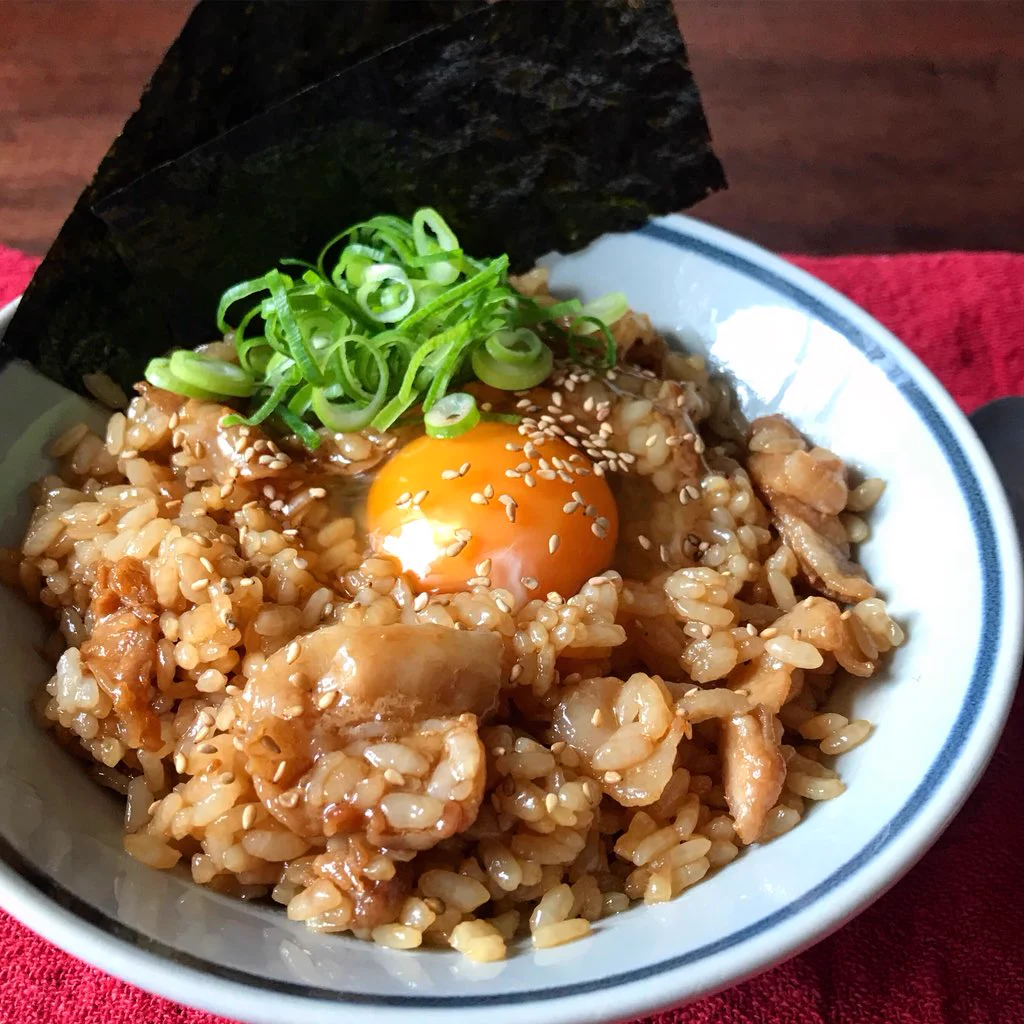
{"x": 456, "y": 511}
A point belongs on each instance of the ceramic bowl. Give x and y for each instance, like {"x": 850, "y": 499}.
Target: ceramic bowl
{"x": 943, "y": 552}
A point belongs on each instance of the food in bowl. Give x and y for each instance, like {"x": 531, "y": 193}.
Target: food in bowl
{"x": 441, "y": 611}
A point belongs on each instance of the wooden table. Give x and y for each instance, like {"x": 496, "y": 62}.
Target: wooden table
{"x": 844, "y": 125}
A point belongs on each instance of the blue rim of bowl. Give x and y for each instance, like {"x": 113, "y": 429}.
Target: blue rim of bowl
{"x": 981, "y": 678}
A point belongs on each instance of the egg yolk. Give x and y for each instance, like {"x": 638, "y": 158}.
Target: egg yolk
{"x": 489, "y": 504}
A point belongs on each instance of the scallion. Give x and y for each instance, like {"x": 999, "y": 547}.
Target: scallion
{"x": 452, "y": 415}
{"x": 392, "y": 315}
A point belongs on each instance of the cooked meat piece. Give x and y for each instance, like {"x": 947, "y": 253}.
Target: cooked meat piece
{"x": 122, "y": 649}
{"x": 805, "y": 491}
{"x": 377, "y": 901}
{"x": 827, "y": 569}
{"x": 373, "y": 729}
{"x": 753, "y": 769}
{"x": 815, "y": 477}
{"x": 626, "y": 733}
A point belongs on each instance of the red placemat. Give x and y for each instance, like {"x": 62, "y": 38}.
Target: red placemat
{"x": 946, "y": 945}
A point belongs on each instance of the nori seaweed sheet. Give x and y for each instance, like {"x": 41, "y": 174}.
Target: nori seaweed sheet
{"x": 83, "y": 309}
{"x": 531, "y": 126}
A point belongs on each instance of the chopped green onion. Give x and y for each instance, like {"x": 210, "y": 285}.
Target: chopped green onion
{"x": 302, "y": 430}
{"x": 215, "y": 376}
{"x": 521, "y": 346}
{"x": 510, "y": 376}
{"x": 452, "y": 415}
{"x": 605, "y": 310}
{"x": 383, "y": 311}
{"x": 160, "y": 375}
{"x": 392, "y": 315}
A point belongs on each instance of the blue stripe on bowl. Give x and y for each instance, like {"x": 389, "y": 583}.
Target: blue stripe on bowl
{"x": 991, "y": 615}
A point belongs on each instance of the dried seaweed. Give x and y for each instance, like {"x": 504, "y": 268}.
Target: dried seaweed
{"x": 532, "y": 127}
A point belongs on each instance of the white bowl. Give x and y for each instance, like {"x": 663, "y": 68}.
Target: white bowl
{"x": 944, "y": 552}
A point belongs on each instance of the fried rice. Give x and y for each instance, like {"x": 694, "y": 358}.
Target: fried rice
{"x": 488, "y": 765}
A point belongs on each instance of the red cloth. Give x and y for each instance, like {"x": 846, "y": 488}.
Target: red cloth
{"x": 946, "y": 945}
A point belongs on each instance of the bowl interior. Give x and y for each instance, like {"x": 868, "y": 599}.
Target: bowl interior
{"x": 787, "y": 352}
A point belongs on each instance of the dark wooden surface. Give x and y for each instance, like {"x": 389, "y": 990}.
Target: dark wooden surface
{"x": 844, "y": 125}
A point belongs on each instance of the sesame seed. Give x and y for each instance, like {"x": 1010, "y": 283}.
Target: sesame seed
{"x": 692, "y": 491}
{"x": 529, "y": 480}
{"x": 556, "y": 398}
{"x": 688, "y": 437}
{"x": 683, "y": 496}
{"x": 300, "y": 563}
{"x": 644, "y": 542}
{"x": 553, "y": 541}
{"x": 450, "y": 474}
{"x": 291, "y": 655}
{"x": 512, "y": 474}
{"x": 511, "y": 446}
{"x": 455, "y": 548}
{"x": 663, "y": 552}
{"x": 597, "y": 718}
{"x": 484, "y": 567}
{"x": 570, "y": 506}
{"x": 550, "y": 802}
{"x": 588, "y": 403}
{"x": 599, "y": 469}
{"x": 598, "y": 531}
{"x": 403, "y": 499}
{"x": 249, "y": 816}
{"x": 479, "y": 581}
{"x": 173, "y": 421}
{"x": 289, "y": 799}
{"x": 463, "y": 534}
{"x": 523, "y": 403}
{"x": 294, "y": 711}
{"x": 180, "y": 763}
{"x": 554, "y": 597}
{"x": 327, "y": 699}
{"x": 488, "y": 491}
{"x": 394, "y": 777}
{"x": 651, "y": 441}
{"x": 705, "y": 631}
{"x": 559, "y": 745}
{"x": 529, "y": 582}
{"x": 547, "y": 474}
{"x": 699, "y": 446}
{"x": 420, "y": 602}
{"x": 317, "y": 492}
{"x": 502, "y": 605}
{"x": 277, "y": 464}
{"x": 612, "y": 777}
{"x": 477, "y": 498}
{"x": 767, "y": 634}
{"x": 515, "y": 672}
{"x": 417, "y": 498}
{"x": 200, "y": 583}
{"x": 752, "y": 629}
{"x": 464, "y": 469}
